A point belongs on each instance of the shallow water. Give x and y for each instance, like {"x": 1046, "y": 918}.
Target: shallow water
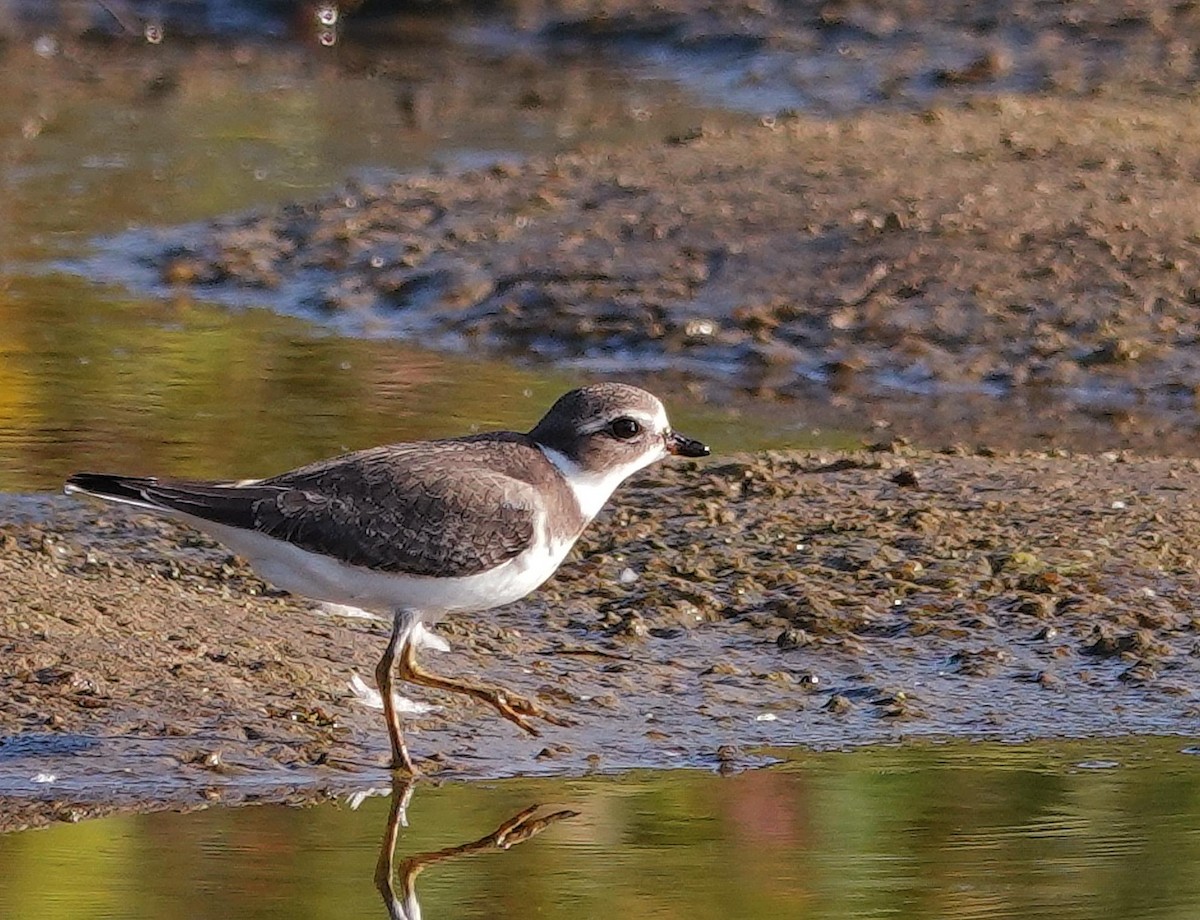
{"x": 98, "y": 139}
{"x": 1078, "y": 830}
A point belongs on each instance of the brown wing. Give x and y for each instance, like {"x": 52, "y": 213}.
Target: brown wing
{"x": 389, "y": 508}
{"x": 395, "y": 509}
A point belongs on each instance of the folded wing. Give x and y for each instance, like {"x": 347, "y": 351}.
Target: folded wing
{"x": 388, "y": 509}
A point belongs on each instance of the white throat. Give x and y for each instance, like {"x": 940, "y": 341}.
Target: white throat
{"x": 592, "y": 489}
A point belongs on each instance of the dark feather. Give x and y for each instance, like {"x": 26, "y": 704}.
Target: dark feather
{"x": 106, "y": 485}
{"x": 440, "y": 508}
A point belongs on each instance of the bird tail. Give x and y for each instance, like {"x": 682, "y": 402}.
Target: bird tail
{"x": 127, "y": 490}
{"x": 230, "y": 503}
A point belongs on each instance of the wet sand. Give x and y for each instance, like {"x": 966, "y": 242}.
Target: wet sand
{"x": 818, "y": 599}
{"x": 1013, "y": 272}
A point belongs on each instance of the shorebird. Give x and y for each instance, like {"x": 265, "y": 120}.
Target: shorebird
{"x": 415, "y": 531}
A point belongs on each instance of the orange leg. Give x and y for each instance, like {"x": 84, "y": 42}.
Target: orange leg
{"x": 517, "y": 709}
{"x": 402, "y": 627}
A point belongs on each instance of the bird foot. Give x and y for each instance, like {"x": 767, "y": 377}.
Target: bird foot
{"x": 514, "y": 707}
{"x": 518, "y": 710}
{"x": 523, "y": 825}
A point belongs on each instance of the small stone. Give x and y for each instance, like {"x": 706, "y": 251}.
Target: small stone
{"x": 1140, "y": 673}
{"x": 634, "y": 626}
{"x": 722, "y": 669}
{"x": 839, "y": 704}
{"x": 1047, "y": 633}
{"x": 792, "y": 638}
{"x": 1048, "y": 680}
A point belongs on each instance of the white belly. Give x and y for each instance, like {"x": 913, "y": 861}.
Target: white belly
{"x": 323, "y": 578}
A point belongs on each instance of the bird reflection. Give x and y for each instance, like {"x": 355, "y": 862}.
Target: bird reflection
{"x": 396, "y": 880}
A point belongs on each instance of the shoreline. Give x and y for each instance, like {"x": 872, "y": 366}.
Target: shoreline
{"x": 821, "y": 599}
{"x": 796, "y": 263}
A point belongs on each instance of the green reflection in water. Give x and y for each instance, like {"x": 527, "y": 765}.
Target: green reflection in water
{"x": 958, "y": 831}
{"x": 193, "y": 390}
{"x": 92, "y": 379}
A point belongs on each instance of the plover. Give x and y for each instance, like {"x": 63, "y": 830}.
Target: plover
{"x": 418, "y": 530}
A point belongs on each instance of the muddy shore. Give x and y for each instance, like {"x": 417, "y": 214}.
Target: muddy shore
{"x": 1003, "y": 250}
{"x": 1014, "y": 272}
{"x": 966, "y": 224}
{"x": 822, "y": 599}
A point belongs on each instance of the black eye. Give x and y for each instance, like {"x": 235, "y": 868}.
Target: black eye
{"x": 625, "y": 428}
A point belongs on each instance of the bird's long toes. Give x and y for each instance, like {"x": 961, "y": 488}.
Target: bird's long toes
{"x": 519, "y": 710}
{"x": 533, "y": 710}
{"x": 515, "y": 709}
{"x": 529, "y": 728}
{"x": 528, "y": 826}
